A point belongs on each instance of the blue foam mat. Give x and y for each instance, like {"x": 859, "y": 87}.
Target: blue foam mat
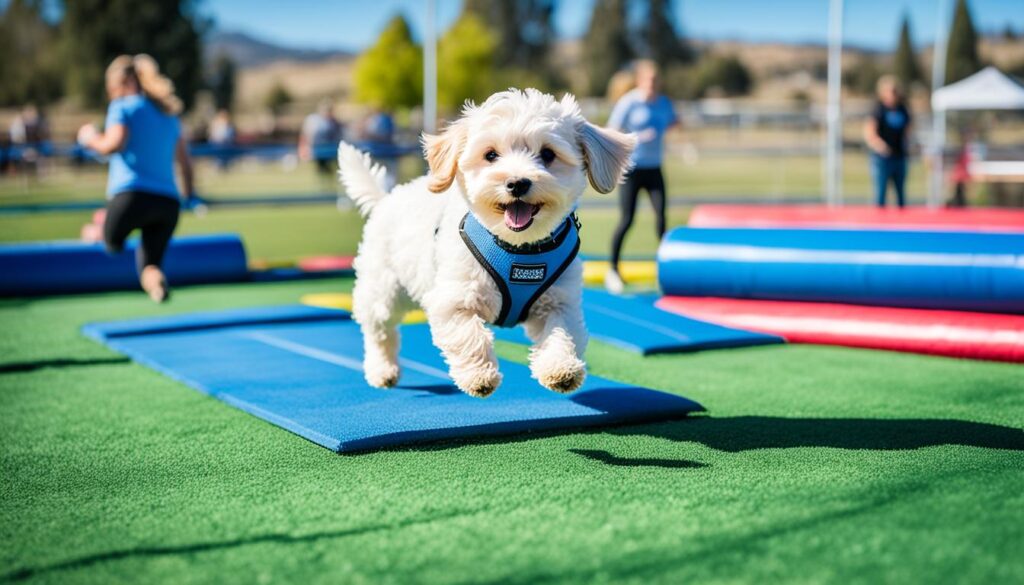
{"x": 917, "y": 269}
{"x": 300, "y": 368}
{"x": 633, "y": 323}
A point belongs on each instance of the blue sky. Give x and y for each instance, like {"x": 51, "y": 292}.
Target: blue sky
{"x": 353, "y": 24}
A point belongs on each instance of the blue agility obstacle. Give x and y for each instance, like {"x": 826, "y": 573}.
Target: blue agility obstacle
{"x": 300, "y": 368}
{"x": 633, "y": 323}
{"x": 44, "y": 268}
{"x": 916, "y": 269}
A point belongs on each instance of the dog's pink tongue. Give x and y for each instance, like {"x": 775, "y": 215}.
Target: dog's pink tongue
{"x": 518, "y": 214}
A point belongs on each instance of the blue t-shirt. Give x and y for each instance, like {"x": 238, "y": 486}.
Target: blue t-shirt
{"x": 146, "y": 162}
{"x": 634, "y": 114}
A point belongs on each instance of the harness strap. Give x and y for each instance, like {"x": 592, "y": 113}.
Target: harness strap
{"x": 521, "y": 273}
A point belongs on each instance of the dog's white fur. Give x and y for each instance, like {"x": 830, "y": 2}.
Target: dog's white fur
{"x": 412, "y": 254}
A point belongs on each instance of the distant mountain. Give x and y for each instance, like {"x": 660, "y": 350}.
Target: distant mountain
{"x": 248, "y": 51}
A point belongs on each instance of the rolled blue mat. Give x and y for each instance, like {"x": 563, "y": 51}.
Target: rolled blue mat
{"x": 933, "y": 270}
{"x": 65, "y": 267}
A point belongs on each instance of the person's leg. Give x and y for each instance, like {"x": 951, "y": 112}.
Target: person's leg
{"x": 656, "y": 191}
{"x": 880, "y": 177}
{"x": 898, "y": 171}
{"x": 959, "y": 195}
{"x": 161, "y": 219}
{"x": 627, "y": 208}
{"x": 122, "y": 218}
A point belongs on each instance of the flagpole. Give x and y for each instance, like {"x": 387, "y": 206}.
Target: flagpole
{"x": 938, "y": 138}
{"x": 430, "y": 68}
{"x": 833, "y": 111}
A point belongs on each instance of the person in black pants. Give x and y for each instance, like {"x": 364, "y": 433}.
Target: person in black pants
{"x": 648, "y": 114}
{"x": 143, "y": 137}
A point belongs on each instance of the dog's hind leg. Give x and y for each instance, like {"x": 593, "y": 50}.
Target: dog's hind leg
{"x": 377, "y": 305}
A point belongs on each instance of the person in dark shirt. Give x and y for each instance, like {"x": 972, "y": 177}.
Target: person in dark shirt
{"x": 886, "y": 133}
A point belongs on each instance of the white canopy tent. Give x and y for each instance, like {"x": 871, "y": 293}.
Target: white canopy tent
{"x": 988, "y": 89}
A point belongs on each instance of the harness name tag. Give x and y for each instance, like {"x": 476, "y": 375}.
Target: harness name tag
{"x": 528, "y": 273}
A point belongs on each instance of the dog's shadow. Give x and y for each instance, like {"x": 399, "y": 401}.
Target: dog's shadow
{"x": 746, "y": 433}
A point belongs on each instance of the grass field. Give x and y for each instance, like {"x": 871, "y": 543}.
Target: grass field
{"x": 281, "y": 233}
{"x": 287, "y": 233}
{"x": 813, "y": 465}
{"x": 711, "y": 174}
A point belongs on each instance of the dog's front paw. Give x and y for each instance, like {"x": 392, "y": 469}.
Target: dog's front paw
{"x": 563, "y": 375}
{"x": 381, "y": 374}
{"x": 480, "y": 381}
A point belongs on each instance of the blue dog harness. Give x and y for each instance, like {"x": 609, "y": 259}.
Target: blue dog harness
{"x": 522, "y": 273}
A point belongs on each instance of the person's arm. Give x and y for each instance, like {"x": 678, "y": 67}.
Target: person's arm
{"x": 110, "y": 141}
{"x": 674, "y": 121}
{"x": 185, "y": 167}
{"x": 304, "y": 147}
{"x": 873, "y": 140}
{"x": 618, "y": 116}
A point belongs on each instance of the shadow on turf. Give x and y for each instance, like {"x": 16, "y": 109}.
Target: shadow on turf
{"x": 745, "y": 433}
{"x": 614, "y": 460}
{"x": 18, "y": 367}
{"x": 26, "y": 573}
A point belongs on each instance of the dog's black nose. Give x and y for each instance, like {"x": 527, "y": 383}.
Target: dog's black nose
{"x": 518, "y": 187}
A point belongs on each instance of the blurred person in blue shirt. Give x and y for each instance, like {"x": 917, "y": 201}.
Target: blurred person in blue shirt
{"x": 319, "y": 137}
{"x": 143, "y": 138}
{"x": 647, "y": 113}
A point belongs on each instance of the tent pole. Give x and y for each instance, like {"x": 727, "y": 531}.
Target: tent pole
{"x": 833, "y": 112}
{"x": 430, "y": 68}
{"x": 938, "y": 141}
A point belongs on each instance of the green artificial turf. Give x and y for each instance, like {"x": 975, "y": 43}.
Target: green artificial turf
{"x": 813, "y": 465}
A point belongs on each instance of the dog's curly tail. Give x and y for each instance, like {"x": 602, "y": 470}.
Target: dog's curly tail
{"x": 363, "y": 179}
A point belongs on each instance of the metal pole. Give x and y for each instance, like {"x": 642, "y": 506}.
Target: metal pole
{"x": 833, "y": 112}
{"x": 430, "y": 69}
{"x": 938, "y": 138}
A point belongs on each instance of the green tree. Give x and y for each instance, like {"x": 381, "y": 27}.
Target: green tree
{"x": 29, "y": 68}
{"x": 659, "y": 39}
{"x": 96, "y": 31}
{"x": 465, "y": 57}
{"x": 862, "y": 77}
{"x": 905, "y": 65}
{"x": 390, "y": 73}
{"x": 726, "y": 74}
{"x": 606, "y": 44}
{"x": 222, "y": 82}
{"x": 962, "y": 54}
{"x": 525, "y": 34}
{"x": 277, "y": 98}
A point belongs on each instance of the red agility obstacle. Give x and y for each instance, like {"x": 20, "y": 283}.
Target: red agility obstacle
{"x": 960, "y": 334}
{"x": 857, "y": 217}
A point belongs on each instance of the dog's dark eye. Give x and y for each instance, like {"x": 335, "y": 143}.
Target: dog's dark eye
{"x": 491, "y": 155}
{"x": 547, "y": 155}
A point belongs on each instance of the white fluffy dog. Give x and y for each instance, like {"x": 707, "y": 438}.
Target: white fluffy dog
{"x": 514, "y": 166}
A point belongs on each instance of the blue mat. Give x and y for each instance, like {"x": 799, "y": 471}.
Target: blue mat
{"x": 42, "y": 268}
{"x": 300, "y": 368}
{"x": 916, "y": 269}
{"x": 635, "y": 324}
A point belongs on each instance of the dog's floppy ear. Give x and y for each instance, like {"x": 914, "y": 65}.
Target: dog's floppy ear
{"x": 606, "y": 153}
{"x": 442, "y": 152}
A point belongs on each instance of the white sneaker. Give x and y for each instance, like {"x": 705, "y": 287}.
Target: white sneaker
{"x": 613, "y": 282}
